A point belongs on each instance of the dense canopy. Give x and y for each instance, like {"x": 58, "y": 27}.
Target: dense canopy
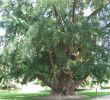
{"x": 60, "y": 42}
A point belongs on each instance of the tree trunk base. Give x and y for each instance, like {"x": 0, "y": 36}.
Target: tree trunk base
{"x": 62, "y": 93}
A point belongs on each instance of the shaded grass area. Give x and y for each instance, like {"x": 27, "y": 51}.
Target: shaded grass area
{"x": 6, "y": 95}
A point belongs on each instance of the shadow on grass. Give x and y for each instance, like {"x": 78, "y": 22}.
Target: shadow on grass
{"x": 22, "y": 96}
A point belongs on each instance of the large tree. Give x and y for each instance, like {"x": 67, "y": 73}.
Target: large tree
{"x": 56, "y": 41}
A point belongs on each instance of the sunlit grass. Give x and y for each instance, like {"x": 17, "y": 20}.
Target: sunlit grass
{"x": 93, "y": 93}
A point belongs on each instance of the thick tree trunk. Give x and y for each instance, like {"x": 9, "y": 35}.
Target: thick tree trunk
{"x": 66, "y": 84}
{"x": 63, "y": 90}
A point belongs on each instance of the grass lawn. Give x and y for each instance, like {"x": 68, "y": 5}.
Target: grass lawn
{"x": 6, "y": 95}
{"x": 92, "y": 93}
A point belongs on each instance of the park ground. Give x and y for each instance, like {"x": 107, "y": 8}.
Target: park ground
{"x": 42, "y": 93}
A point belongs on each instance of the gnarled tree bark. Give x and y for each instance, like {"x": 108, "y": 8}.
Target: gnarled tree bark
{"x": 66, "y": 86}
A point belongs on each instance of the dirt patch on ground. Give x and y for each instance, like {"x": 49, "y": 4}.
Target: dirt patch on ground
{"x": 59, "y": 97}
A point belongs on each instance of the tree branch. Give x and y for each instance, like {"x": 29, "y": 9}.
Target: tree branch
{"x": 97, "y": 10}
{"x": 94, "y": 12}
{"x": 74, "y": 7}
{"x": 77, "y": 83}
{"x": 55, "y": 11}
{"x": 76, "y": 70}
{"x": 59, "y": 20}
{"x": 54, "y": 79}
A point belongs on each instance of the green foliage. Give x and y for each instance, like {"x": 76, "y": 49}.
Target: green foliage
{"x": 32, "y": 29}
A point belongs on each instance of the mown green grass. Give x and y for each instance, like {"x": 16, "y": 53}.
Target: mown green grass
{"x": 7, "y": 95}
{"x": 93, "y": 94}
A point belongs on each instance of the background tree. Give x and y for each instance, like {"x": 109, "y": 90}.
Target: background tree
{"x": 56, "y": 42}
